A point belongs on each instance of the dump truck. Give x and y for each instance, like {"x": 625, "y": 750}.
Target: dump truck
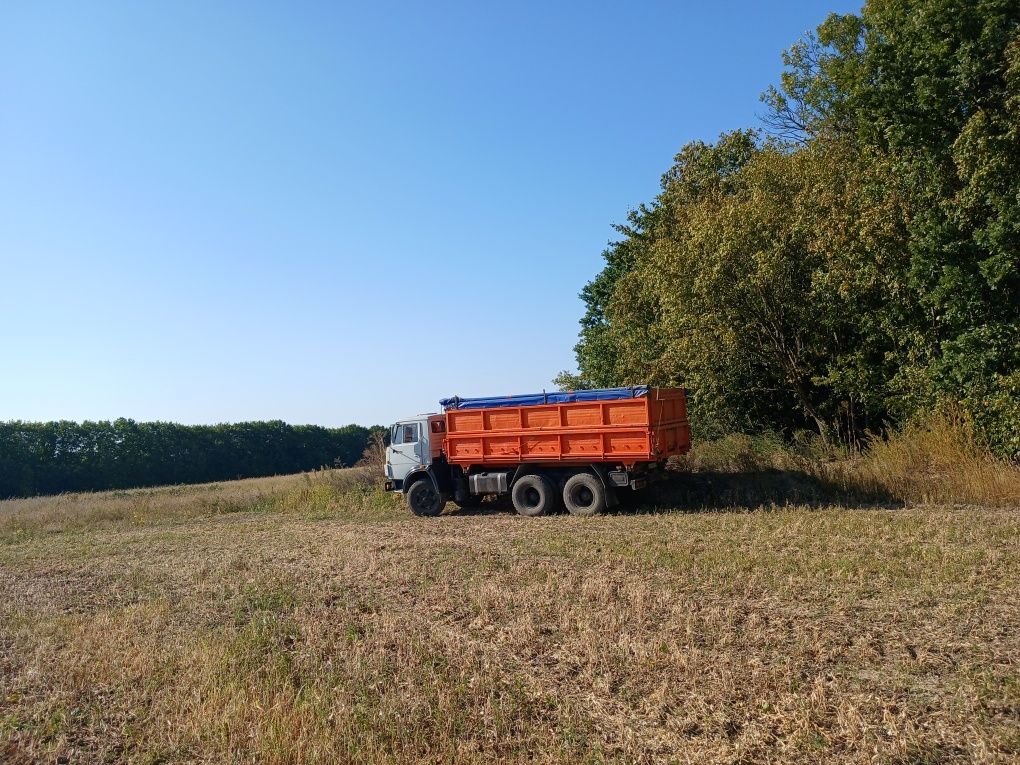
{"x": 548, "y": 451}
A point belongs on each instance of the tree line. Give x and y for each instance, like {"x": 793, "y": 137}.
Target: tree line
{"x": 53, "y": 457}
{"x": 852, "y": 262}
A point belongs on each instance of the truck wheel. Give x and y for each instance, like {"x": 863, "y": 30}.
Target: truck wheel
{"x": 533, "y": 495}
{"x": 424, "y": 500}
{"x": 584, "y": 494}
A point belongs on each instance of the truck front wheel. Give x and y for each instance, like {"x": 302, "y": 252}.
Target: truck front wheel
{"x": 533, "y": 495}
{"x": 424, "y": 500}
{"x": 584, "y": 494}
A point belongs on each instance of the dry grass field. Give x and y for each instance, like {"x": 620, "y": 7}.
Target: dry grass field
{"x": 312, "y": 619}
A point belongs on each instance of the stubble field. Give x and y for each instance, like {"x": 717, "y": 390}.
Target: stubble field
{"x": 312, "y": 619}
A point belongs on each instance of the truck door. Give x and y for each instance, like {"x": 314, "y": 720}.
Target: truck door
{"x": 405, "y": 452}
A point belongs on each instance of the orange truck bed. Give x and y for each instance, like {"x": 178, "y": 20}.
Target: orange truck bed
{"x": 624, "y": 431}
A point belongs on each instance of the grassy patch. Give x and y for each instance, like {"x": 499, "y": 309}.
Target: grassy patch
{"x": 332, "y": 626}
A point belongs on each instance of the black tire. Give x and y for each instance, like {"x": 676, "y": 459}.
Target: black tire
{"x": 533, "y": 495}
{"x": 424, "y": 500}
{"x": 584, "y": 494}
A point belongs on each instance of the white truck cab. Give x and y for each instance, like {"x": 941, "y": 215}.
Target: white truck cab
{"x": 414, "y": 443}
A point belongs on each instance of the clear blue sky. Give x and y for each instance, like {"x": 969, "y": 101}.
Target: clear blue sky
{"x": 334, "y": 212}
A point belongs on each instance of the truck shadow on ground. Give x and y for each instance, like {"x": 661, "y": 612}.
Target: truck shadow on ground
{"x": 718, "y": 491}
{"x": 708, "y": 491}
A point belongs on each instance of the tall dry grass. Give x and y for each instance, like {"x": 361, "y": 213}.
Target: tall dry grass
{"x": 374, "y": 455}
{"x": 937, "y": 459}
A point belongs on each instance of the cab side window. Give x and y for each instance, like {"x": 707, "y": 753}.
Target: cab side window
{"x": 408, "y": 434}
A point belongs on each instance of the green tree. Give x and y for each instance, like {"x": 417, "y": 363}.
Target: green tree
{"x": 860, "y": 264}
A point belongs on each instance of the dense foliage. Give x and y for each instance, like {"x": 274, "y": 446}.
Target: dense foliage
{"x": 855, "y": 263}
{"x": 53, "y": 457}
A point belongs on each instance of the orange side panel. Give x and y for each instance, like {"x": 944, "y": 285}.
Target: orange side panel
{"x": 540, "y": 417}
{"x": 582, "y": 415}
{"x": 502, "y": 419}
{"x": 630, "y": 442}
{"x": 541, "y": 445}
{"x": 625, "y": 413}
{"x": 465, "y": 421}
{"x": 645, "y": 429}
{"x": 582, "y": 445}
{"x": 464, "y": 449}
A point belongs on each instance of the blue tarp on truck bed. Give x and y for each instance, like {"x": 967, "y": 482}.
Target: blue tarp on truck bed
{"x": 531, "y": 399}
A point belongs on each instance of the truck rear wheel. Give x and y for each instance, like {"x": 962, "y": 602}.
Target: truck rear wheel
{"x": 424, "y": 500}
{"x": 533, "y": 495}
{"x": 584, "y": 494}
